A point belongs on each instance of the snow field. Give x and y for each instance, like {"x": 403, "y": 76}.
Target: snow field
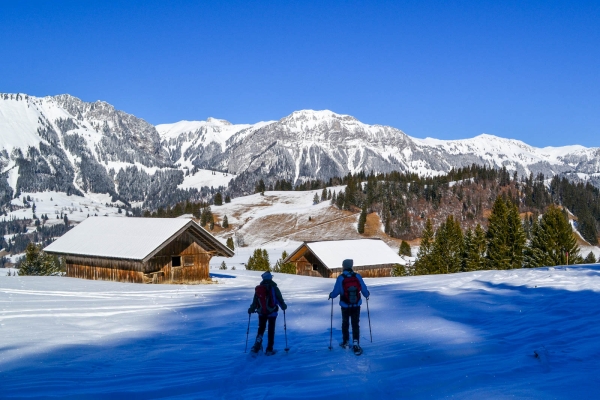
{"x": 77, "y": 208}
{"x": 205, "y": 177}
{"x": 467, "y": 335}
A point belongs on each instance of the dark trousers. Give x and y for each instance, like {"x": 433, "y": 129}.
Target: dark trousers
{"x": 350, "y": 313}
{"x": 262, "y": 324}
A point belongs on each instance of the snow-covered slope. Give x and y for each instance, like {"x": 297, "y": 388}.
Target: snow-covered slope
{"x": 64, "y": 144}
{"x": 320, "y": 144}
{"x": 194, "y": 143}
{"x": 477, "y": 335}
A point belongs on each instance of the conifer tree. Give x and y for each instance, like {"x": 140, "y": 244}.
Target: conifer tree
{"x": 218, "y": 200}
{"x": 475, "y": 247}
{"x": 552, "y": 239}
{"x": 260, "y": 187}
{"x": 404, "y": 249}
{"x": 590, "y": 259}
{"x": 229, "y": 243}
{"x": 259, "y": 261}
{"x": 225, "y": 223}
{"x": 341, "y": 201}
{"x": 516, "y": 236}
{"x": 316, "y": 198}
{"x": 38, "y": 263}
{"x": 499, "y": 249}
{"x": 283, "y": 267}
{"x": 324, "y": 194}
{"x": 423, "y": 264}
{"x": 447, "y": 251}
{"x": 362, "y": 219}
{"x": 350, "y": 192}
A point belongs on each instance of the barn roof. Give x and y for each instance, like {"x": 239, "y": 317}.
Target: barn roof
{"x": 364, "y": 252}
{"x": 130, "y": 238}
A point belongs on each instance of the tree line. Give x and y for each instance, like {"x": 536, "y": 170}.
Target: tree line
{"x": 508, "y": 243}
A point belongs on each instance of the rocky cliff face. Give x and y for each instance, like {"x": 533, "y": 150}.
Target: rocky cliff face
{"x": 62, "y": 143}
{"x": 65, "y": 144}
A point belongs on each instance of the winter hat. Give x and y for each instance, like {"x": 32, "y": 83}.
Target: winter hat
{"x": 348, "y": 263}
{"x": 267, "y": 275}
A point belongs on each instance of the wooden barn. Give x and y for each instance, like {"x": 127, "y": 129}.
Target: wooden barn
{"x": 372, "y": 258}
{"x": 140, "y": 250}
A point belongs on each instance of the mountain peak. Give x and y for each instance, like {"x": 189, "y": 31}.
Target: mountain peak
{"x": 216, "y": 121}
{"x": 316, "y": 115}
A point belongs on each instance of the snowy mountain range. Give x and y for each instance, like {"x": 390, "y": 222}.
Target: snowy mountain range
{"x": 64, "y": 144}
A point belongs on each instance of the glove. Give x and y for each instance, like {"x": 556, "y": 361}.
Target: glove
{"x": 284, "y": 307}
{"x": 329, "y": 297}
{"x": 250, "y": 310}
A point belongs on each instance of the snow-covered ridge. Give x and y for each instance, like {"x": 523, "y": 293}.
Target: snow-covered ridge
{"x": 87, "y": 144}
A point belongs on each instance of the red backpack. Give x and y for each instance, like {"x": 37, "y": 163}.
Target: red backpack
{"x": 351, "y": 286}
{"x": 266, "y": 299}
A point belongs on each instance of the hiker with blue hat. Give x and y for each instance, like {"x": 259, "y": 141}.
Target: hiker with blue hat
{"x": 266, "y": 302}
{"x": 349, "y": 286}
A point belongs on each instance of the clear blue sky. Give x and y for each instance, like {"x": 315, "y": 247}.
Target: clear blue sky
{"x": 525, "y": 69}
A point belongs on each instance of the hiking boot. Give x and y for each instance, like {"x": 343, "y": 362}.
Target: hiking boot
{"x": 345, "y": 344}
{"x": 270, "y": 352}
{"x": 257, "y": 345}
{"x": 357, "y": 349}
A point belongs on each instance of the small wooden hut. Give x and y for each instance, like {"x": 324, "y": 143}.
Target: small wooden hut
{"x": 372, "y": 258}
{"x": 140, "y": 250}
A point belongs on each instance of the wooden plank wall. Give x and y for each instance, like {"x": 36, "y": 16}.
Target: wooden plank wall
{"x": 105, "y": 274}
{"x": 160, "y": 269}
{"x": 190, "y": 274}
{"x": 305, "y": 268}
{"x": 157, "y": 270}
{"x": 377, "y": 271}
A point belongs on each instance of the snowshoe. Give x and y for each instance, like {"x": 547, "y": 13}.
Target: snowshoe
{"x": 270, "y": 352}
{"x": 357, "y": 350}
{"x": 257, "y": 346}
{"x": 345, "y": 344}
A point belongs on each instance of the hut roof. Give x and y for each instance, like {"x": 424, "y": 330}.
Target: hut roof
{"x": 364, "y": 252}
{"x": 130, "y": 238}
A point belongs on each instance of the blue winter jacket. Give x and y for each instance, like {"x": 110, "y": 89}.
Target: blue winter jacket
{"x": 338, "y": 289}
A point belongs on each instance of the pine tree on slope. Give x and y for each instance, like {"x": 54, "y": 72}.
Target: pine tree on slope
{"x": 516, "y": 236}
{"x": 447, "y": 253}
{"x": 362, "y": 219}
{"x": 552, "y": 239}
{"x": 590, "y": 259}
{"x": 423, "y": 264}
{"x": 499, "y": 249}
{"x": 38, "y": 263}
{"x": 475, "y": 249}
{"x": 404, "y": 249}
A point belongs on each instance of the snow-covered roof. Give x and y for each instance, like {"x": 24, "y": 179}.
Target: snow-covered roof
{"x": 364, "y": 252}
{"x": 128, "y": 238}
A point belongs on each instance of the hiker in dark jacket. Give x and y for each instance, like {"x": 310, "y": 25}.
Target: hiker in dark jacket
{"x": 350, "y": 303}
{"x": 273, "y": 301}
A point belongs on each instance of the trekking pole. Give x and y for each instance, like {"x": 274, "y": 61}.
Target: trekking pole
{"x": 369, "y": 315}
{"x": 285, "y": 331}
{"x": 331, "y": 329}
{"x": 247, "y": 333}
